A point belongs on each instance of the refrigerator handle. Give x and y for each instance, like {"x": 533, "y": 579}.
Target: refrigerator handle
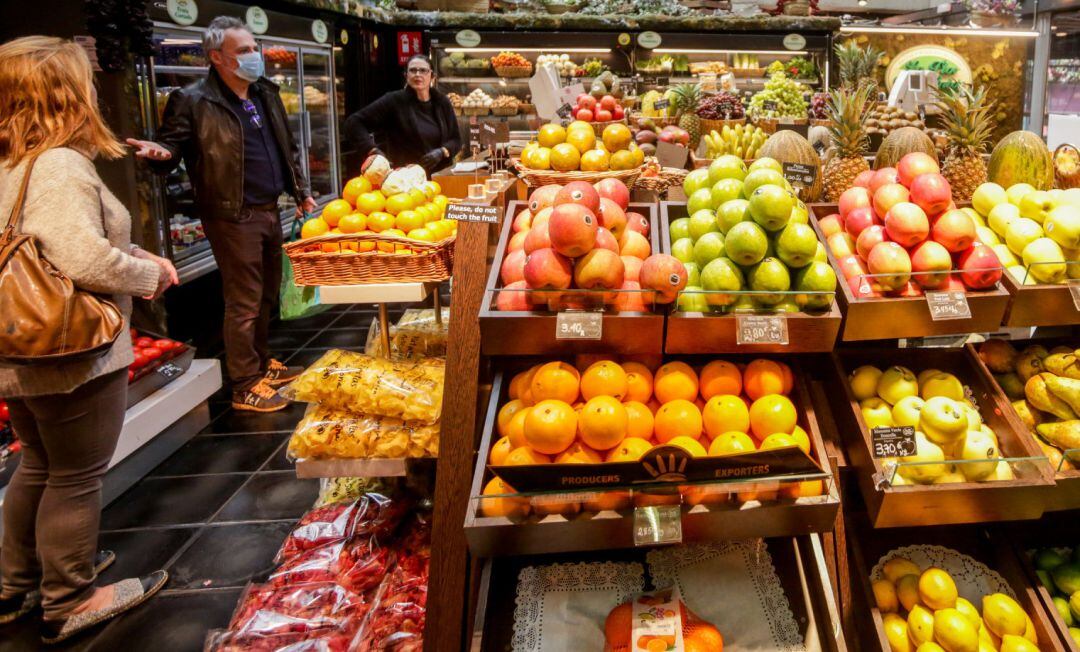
{"x": 306, "y": 116}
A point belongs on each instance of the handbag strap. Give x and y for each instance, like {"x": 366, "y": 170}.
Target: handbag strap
{"x": 16, "y": 208}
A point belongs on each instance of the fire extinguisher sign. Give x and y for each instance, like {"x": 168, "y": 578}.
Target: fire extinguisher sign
{"x": 408, "y": 44}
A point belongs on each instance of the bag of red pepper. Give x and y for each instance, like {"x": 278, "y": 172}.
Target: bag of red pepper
{"x": 371, "y": 514}
{"x": 397, "y": 621}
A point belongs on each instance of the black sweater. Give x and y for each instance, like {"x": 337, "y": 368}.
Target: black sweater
{"x": 394, "y": 115}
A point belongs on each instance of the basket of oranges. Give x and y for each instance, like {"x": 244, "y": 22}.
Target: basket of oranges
{"x": 376, "y": 235}
{"x": 576, "y": 153}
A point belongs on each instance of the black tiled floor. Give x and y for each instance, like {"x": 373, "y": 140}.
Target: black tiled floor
{"x": 171, "y": 501}
{"x": 352, "y": 338}
{"x": 268, "y": 496}
{"x": 221, "y": 454}
{"x": 355, "y": 319}
{"x": 233, "y": 421}
{"x": 278, "y": 461}
{"x": 229, "y": 555}
{"x": 318, "y": 321}
{"x": 141, "y": 552}
{"x": 305, "y": 357}
{"x": 176, "y": 622}
{"x": 290, "y": 339}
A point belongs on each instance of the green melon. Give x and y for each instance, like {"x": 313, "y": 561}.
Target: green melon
{"x": 1021, "y": 157}
{"x": 900, "y": 142}
{"x": 788, "y": 146}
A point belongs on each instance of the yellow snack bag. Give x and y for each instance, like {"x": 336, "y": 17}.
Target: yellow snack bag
{"x": 328, "y": 433}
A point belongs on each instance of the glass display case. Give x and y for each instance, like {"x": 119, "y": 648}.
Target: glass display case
{"x": 303, "y": 71}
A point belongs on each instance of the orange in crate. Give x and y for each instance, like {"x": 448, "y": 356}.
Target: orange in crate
{"x": 698, "y": 635}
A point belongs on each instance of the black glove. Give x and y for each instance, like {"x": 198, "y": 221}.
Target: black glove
{"x": 431, "y": 159}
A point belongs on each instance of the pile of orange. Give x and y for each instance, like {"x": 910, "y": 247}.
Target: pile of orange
{"x": 603, "y": 411}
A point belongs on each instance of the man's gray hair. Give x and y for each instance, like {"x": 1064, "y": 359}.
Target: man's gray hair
{"x": 215, "y": 32}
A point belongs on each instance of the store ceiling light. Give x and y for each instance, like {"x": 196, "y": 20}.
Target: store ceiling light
{"x": 553, "y": 50}
{"x": 939, "y": 31}
{"x": 712, "y": 51}
{"x": 863, "y": 3}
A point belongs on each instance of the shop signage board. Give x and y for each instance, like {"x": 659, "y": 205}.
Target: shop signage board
{"x": 649, "y": 40}
{"x": 473, "y": 213}
{"x": 579, "y": 326}
{"x": 893, "y": 441}
{"x": 409, "y": 44}
{"x": 671, "y": 155}
{"x": 257, "y": 20}
{"x": 761, "y": 329}
{"x": 467, "y": 38}
{"x": 319, "y": 31}
{"x": 952, "y": 304}
{"x": 183, "y": 12}
{"x": 794, "y": 41}
{"x": 657, "y": 524}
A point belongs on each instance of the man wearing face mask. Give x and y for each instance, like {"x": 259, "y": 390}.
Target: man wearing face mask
{"x": 232, "y": 132}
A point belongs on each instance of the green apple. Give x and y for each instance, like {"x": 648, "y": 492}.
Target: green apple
{"x": 679, "y": 229}
{"x": 906, "y": 411}
{"x": 1045, "y": 260}
{"x": 990, "y": 433}
{"x": 695, "y": 181}
{"x": 692, "y": 299}
{"x": 943, "y": 421}
{"x": 796, "y": 244}
{"x": 1006, "y": 257}
{"x": 977, "y": 218}
{"x": 1022, "y": 232}
{"x": 950, "y": 477}
{"x": 1072, "y": 196}
{"x": 896, "y": 383}
{"x": 726, "y": 190}
{"x": 876, "y": 413}
{"x": 987, "y": 236}
{"x": 1062, "y": 226}
{"x": 1000, "y": 216}
{"x": 731, "y": 213}
{"x": 925, "y": 451}
{"x": 1020, "y": 273}
{"x": 683, "y": 249}
{"x": 978, "y": 447}
{"x": 986, "y": 196}
{"x": 800, "y": 214}
{"x": 770, "y": 277}
{"x": 727, "y": 166}
{"x": 974, "y": 418}
{"x": 720, "y": 276}
{"x": 766, "y": 163}
{"x": 1003, "y": 472}
{"x": 708, "y": 247}
{"x": 702, "y": 221}
{"x": 700, "y": 200}
{"x": 762, "y": 177}
{"x": 821, "y": 256}
{"x": 815, "y": 277}
{"x": 941, "y": 384}
{"x": 693, "y": 273}
{"x": 770, "y": 206}
{"x": 863, "y": 382}
{"x": 746, "y": 243}
{"x": 1037, "y": 205}
{"x": 1016, "y": 192}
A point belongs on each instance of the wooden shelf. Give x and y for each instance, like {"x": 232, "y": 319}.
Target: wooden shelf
{"x": 1039, "y": 305}
{"x": 374, "y": 293}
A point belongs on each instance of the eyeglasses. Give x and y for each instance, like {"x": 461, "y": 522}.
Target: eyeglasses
{"x": 253, "y": 112}
{"x": 419, "y": 71}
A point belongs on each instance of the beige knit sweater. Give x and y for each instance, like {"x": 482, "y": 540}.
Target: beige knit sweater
{"x": 85, "y": 232}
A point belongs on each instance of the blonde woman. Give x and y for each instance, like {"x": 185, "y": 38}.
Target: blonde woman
{"x": 68, "y": 417}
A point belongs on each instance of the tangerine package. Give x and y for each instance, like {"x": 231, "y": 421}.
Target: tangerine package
{"x": 410, "y": 390}
{"x": 659, "y": 621}
{"x": 328, "y": 433}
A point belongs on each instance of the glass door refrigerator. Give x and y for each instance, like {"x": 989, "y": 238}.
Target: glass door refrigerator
{"x": 305, "y": 73}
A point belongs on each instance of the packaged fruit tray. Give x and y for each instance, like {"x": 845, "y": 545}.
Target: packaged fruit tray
{"x": 948, "y": 479}
{"x": 907, "y": 315}
{"x": 1047, "y": 552}
{"x": 968, "y": 564}
{"x": 511, "y": 326}
{"x": 158, "y": 361}
{"x": 710, "y": 329}
{"x": 751, "y": 500}
{"x": 1005, "y": 366}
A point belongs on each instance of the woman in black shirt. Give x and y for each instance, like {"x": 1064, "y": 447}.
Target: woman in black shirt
{"x": 417, "y": 122}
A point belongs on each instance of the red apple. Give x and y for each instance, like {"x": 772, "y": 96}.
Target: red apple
{"x": 614, "y": 190}
{"x": 517, "y": 241}
{"x": 665, "y": 274}
{"x": 841, "y": 244}
{"x": 915, "y": 164}
{"x": 611, "y": 217}
{"x": 608, "y": 103}
{"x": 955, "y": 284}
{"x": 144, "y": 342}
{"x": 858, "y": 219}
{"x": 637, "y": 222}
{"x": 597, "y": 269}
{"x": 604, "y": 240}
{"x": 870, "y": 236}
{"x": 883, "y": 177}
{"x": 888, "y": 196}
{"x": 579, "y": 192}
{"x": 955, "y": 230}
{"x": 631, "y": 298}
{"x": 513, "y": 267}
{"x": 522, "y": 221}
{"x": 537, "y": 238}
{"x": 852, "y": 198}
{"x": 931, "y": 192}
{"x": 831, "y": 224}
{"x": 634, "y": 244}
{"x": 515, "y": 296}
{"x": 543, "y": 197}
{"x": 907, "y": 224}
{"x": 852, "y": 266}
{"x": 864, "y": 287}
{"x": 862, "y": 180}
{"x": 890, "y": 264}
{"x": 572, "y": 229}
{"x": 979, "y": 267}
{"x": 910, "y": 290}
{"x": 585, "y": 115}
{"x": 931, "y": 265}
{"x": 603, "y": 115}
{"x": 548, "y": 269}
{"x": 631, "y": 267}
{"x": 618, "y": 113}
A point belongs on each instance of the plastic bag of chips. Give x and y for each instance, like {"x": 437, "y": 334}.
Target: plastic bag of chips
{"x": 415, "y": 336}
{"x": 340, "y": 490}
{"x": 408, "y": 390}
{"x": 328, "y": 433}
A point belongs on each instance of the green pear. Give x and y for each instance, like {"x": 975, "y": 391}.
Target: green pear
{"x": 1038, "y": 393}
{"x": 1066, "y": 389}
{"x": 1001, "y": 216}
{"x": 1063, "y": 434}
{"x": 1005, "y": 255}
{"x": 1063, "y": 364}
{"x": 1030, "y": 361}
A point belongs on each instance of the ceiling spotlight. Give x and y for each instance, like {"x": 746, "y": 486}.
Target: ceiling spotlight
{"x": 863, "y": 3}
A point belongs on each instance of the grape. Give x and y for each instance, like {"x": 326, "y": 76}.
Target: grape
{"x": 786, "y": 93}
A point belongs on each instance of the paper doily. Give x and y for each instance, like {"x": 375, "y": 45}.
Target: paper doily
{"x": 973, "y": 578}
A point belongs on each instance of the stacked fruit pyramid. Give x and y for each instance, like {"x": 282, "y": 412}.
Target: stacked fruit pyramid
{"x": 576, "y": 148}
{"x": 603, "y": 411}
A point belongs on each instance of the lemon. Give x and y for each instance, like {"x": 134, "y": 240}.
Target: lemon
{"x": 885, "y": 596}
{"x": 907, "y": 591}
{"x": 1029, "y": 630}
{"x": 1003, "y": 616}
{"x": 969, "y": 611}
{"x": 930, "y": 647}
{"x": 991, "y": 639}
{"x": 954, "y": 632}
{"x": 920, "y": 625}
{"x": 937, "y": 589}
{"x": 1011, "y": 643}
{"x": 898, "y": 567}
{"x": 896, "y": 631}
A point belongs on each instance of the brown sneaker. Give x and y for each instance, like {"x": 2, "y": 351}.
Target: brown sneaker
{"x": 277, "y": 374}
{"x": 260, "y": 397}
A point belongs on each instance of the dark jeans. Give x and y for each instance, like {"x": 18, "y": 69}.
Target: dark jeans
{"x": 248, "y": 253}
{"x": 52, "y": 508}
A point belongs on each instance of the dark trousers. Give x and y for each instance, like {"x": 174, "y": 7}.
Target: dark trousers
{"x": 52, "y": 508}
{"x": 248, "y": 253}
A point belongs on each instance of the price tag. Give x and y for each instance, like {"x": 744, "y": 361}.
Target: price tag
{"x": 1074, "y": 288}
{"x": 799, "y": 175}
{"x": 670, "y": 155}
{"x": 769, "y": 105}
{"x": 579, "y": 326}
{"x": 894, "y": 441}
{"x": 661, "y": 104}
{"x": 663, "y": 81}
{"x": 494, "y": 133}
{"x": 170, "y": 370}
{"x": 564, "y": 111}
{"x": 761, "y": 329}
{"x": 948, "y": 305}
{"x": 473, "y": 213}
{"x": 657, "y": 524}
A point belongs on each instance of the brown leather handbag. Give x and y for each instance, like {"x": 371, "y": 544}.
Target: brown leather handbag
{"x": 44, "y": 318}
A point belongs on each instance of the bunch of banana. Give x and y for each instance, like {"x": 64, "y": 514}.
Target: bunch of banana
{"x": 741, "y": 140}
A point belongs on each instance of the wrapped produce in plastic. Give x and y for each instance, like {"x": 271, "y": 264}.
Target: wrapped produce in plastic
{"x": 397, "y": 620}
{"x": 266, "y": 609}
{"x": 415, "y": 336}
{"x": 300, "y": 641}
{"x": 328, "y": 433}
{"x": 408, "y": 390}
{"x": 369, "y": 516}
{"x": 340, "y": 490}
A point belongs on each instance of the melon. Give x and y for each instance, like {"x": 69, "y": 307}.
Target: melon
{"x": 1021, "y": 157}
{"x": 788, "y": 146}
{"x": 900, "y": 142}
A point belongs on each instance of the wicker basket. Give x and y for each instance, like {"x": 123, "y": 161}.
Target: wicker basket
{"x": 769, "y": 125}
{"x": 458, "y": 111}
{"x": 475, "y": 110}
{"x": 537, "y": 178}
{"x": 430, "y": 261}
{"x": 1065, "y": 181}
{"x": 708, "y": 125}
{"x": 815, "y": 122}
{"x": 513, "y": 71}
{"x": 668, "y": 177}
{"x": 599, "y": 127}
{"x": 748, "y": 72}
{"x": 504, "y": 110}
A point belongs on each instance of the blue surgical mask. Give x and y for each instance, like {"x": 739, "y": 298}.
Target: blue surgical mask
{"x": 249, "y": 66}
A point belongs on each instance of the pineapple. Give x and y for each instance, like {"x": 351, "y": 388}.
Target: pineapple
{"x": 857, "y": 65}
{"x": 966, "y": 116}
{"x": 686, "y": 97}
{"x": 848, "y": 110}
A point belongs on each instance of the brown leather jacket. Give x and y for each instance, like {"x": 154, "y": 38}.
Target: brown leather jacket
{"x": 200, "y": 127}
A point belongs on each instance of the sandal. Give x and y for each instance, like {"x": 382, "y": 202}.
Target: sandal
{"x": 127, "y": 594}
{"x": 17, "y": 606}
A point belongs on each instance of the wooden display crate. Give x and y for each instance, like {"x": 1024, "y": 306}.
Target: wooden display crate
{"x": 867, "y": 546}
{"x": 1024, "y": 497}
{"x": 533, "y": 332}
{"x": 697, "y": 332}
{"x": 491, "y": 536}
{"x": 1066, "y": 494}
{"x": 897, "y": 317}
{"x": 1023, "y": 539}
{"x": 800, "y": 566}
{"x": 1039, "y": 305}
